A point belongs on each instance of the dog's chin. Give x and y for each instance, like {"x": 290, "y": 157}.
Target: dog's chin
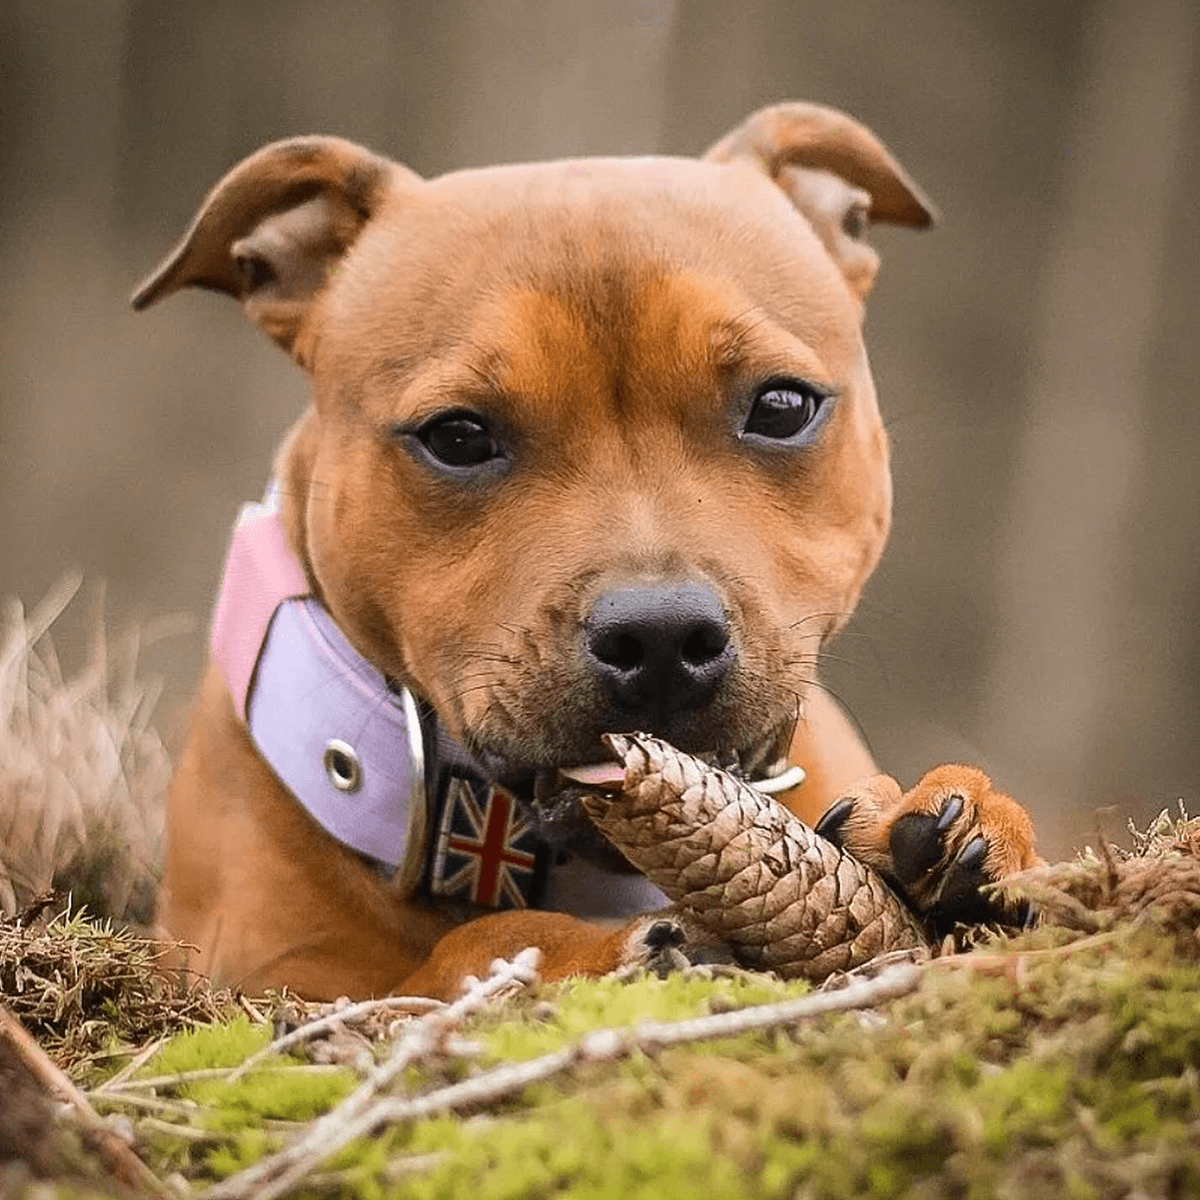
{"x": 553, "y": 795}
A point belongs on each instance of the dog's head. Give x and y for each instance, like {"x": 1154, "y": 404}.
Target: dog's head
{"x": 594, "y": 444}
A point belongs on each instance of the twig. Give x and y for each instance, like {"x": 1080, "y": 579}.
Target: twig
{"x": 352, "y": 1012}
{"x": 278, "y": 1173}
{"x": 609, "y": 1045}
{"x": 985, "y": 963}
{"x": 347, "y": 1122}
{"x": 203, "y": 1073}
{"x": 251, "y": 1011}
{"x": 139, "y": 1060}
{"x": 187, "y": 1133}
{"x": 120, "y": 1158}
{"x": 177, "y": 1108}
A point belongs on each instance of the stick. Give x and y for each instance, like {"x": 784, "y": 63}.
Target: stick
{"x": 202, "y": 1073}
{"x": 412, "y": 1004}
{"x": 118, "y": 1156}
{"x": 609, "y": 1045}
{"x": 135, "y": 1064}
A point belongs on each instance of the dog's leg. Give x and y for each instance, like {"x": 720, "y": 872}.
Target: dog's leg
{"x": 941, "y": 843}
{"x": 659, "y": 942}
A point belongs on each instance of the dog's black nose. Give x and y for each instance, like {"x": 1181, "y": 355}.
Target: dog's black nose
{"x": 658, "y": 649}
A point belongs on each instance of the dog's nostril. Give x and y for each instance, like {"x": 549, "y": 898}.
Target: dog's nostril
{"x": 627, "y": 653}
{"x": 704, "y": 643}
{"x": 618, "y": 648}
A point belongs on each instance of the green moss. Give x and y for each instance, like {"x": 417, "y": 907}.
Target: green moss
{"x": 1071, "y": 1077}
{"x": 977, "y": 1086}
{"x": 278, "y": 1094}
{"x": 238, "y": 1152}
{"x": 573, "y": 1145}
{"x": 1023, "y": 1105}
{"x": 222, "y": 1045}
{"x": 588, "y": 1004}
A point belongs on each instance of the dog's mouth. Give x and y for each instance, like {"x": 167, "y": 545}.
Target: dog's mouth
{"x": 554, "y": 795}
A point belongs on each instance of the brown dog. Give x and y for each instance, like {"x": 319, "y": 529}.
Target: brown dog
{"x": 593, "y": 445}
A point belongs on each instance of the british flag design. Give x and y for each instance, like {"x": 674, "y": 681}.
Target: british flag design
{"x": 486, "y": 851}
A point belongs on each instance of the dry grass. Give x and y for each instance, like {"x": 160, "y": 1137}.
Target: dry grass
{"x": 1157, "y": 880}
{"x": 82, "y": 769}
{"x": 84, "y": 989}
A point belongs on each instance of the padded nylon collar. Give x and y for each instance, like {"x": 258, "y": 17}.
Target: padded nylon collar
{"x": 347, "y": 745}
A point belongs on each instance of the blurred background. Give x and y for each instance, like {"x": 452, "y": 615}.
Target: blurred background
{"x": 1036, "y": 356}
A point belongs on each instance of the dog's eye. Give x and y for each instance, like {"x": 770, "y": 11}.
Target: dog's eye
{"x": 459, "y": 440}
{"x": 783, "y": 411}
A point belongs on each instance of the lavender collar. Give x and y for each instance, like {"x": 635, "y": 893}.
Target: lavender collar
{"x": 347, "y": 745}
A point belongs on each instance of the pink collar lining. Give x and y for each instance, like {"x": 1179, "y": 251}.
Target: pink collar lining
{"x": 347, "y": 747}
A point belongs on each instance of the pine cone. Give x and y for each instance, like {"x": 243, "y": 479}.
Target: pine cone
{"x": 744, "y": 867}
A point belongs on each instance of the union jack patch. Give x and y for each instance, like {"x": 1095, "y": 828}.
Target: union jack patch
{"x": 486, "y": 850}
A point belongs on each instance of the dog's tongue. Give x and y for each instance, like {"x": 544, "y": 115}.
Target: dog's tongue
{"x": 595, "y": 774}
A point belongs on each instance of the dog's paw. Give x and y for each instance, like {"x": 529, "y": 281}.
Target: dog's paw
{"x": 668, "y": 941}
{"x": 940, "y": 844}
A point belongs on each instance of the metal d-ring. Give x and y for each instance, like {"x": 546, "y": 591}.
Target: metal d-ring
{"x": 342, "y": 765}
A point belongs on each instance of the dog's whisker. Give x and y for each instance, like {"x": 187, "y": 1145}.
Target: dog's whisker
{"x": 818, "y": 616}
{"x": 843, "y": 704}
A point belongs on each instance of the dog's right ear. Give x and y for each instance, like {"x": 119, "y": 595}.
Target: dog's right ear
{"x": 273, "y": 230}
{"x": 836, "y": 172}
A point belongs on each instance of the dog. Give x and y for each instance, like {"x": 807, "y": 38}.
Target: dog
{"x": 593, "y": 445}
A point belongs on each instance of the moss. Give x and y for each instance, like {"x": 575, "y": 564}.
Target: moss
{"x": 569, "y": 1011}
{"x": 1023, "y": 1105}
{"x": 1042, "y": 1068}
{"x": 271, "y": 1092}
{"x": 239, "y": 1152}
{"x": 220, "y": 1045}
{"x": 976, "y": 1087}
{"x": 574, "y": 1145}
{"x": 279, "y": 1094}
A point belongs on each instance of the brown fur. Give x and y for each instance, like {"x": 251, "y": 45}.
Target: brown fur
{"x": 610, "y": 316}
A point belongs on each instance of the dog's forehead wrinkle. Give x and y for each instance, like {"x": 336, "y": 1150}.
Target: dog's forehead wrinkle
{"x": 517, "y": 223}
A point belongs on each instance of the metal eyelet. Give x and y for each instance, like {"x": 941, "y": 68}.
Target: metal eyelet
{"x": 342, "y": 766}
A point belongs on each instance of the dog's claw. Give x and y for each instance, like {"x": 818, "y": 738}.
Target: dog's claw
{"x": 974, "y": 853}
{"x": 832, "y": 821}
{"x": 950, "y": 813}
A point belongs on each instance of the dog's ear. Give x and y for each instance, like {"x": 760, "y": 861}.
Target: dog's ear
{"x": 836, "y": 172}
{"x": 272, "y": 231}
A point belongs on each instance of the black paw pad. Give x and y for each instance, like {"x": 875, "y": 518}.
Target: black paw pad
{"x": 664, "y": 935}
{"x": 834, "y": 817}
{"x": 916, "y": 840}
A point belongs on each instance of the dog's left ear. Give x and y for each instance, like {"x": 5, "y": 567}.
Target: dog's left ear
{"x": 836, "y": 172}
{"x": 274, "y": 229}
